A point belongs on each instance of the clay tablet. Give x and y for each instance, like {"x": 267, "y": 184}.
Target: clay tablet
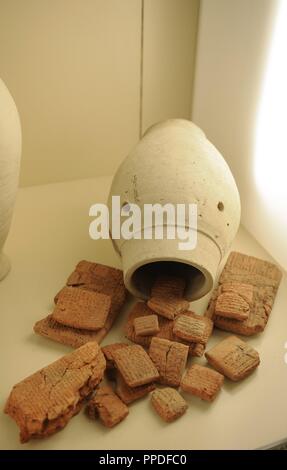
{"x": 170, "y": 358}
{"x": 168, "y": 404}
{"x": 233, "y": 358}
{"x": 201, "y": 381}
{"x": 44, "y": 402}
{"x": 83, "y": 309}
{"x": 135, "y": 366}
{"x": 107, "y": 405}
{"x": 263, "y": 276}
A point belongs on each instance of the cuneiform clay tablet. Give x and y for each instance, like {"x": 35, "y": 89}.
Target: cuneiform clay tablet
{"x": 201, "y": 381}
{"x": 263, "y": 276}
{"x": 170, "y": 358}
{"x": 83, "y": 309}
{"x": 108, "y": 406}
{"x": 240, "y": 288}
{"x": 74, "y": 337}
{"x": 195, "y": 328}
{"x": 166, "y": 286}
{"x": 109, "y": 351}
{"x": 44, "y": 402}
{"x": 146, "y": 325}
{"x": 233, "y": 358}
{"x": 165, "y": 330}
{"x": 130, "y": 394}
{"x": 100, "y": 278}
{"x": 135, "y": 366}
{"x": 232, "y": 305}
{"x": 168, "y": 307}
{"x": 168, "y": 403}
{"x": 141, "y": 309}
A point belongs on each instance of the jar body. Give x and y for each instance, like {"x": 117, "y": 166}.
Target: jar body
{"x": 174, "y": 163}
{"x": 10, "y": 154}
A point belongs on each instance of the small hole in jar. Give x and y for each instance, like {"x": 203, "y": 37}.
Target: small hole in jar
{"x": 125, "y": 206}
{"x": 220, "y": 206}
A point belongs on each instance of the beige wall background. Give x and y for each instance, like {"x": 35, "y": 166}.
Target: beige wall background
{"x": 88, "y": 76}
{"x": 170, "y": 31}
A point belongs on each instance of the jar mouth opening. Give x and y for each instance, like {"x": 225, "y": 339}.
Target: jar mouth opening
{"x": 142, "y": 279}
{"x": 143, "y": 260}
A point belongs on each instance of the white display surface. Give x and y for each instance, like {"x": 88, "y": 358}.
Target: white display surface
{"x": 49, "y": 235}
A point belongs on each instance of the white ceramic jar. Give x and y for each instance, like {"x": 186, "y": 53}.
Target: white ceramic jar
{"x": 10, "y": 153}
{"x": 175, "y": 163}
